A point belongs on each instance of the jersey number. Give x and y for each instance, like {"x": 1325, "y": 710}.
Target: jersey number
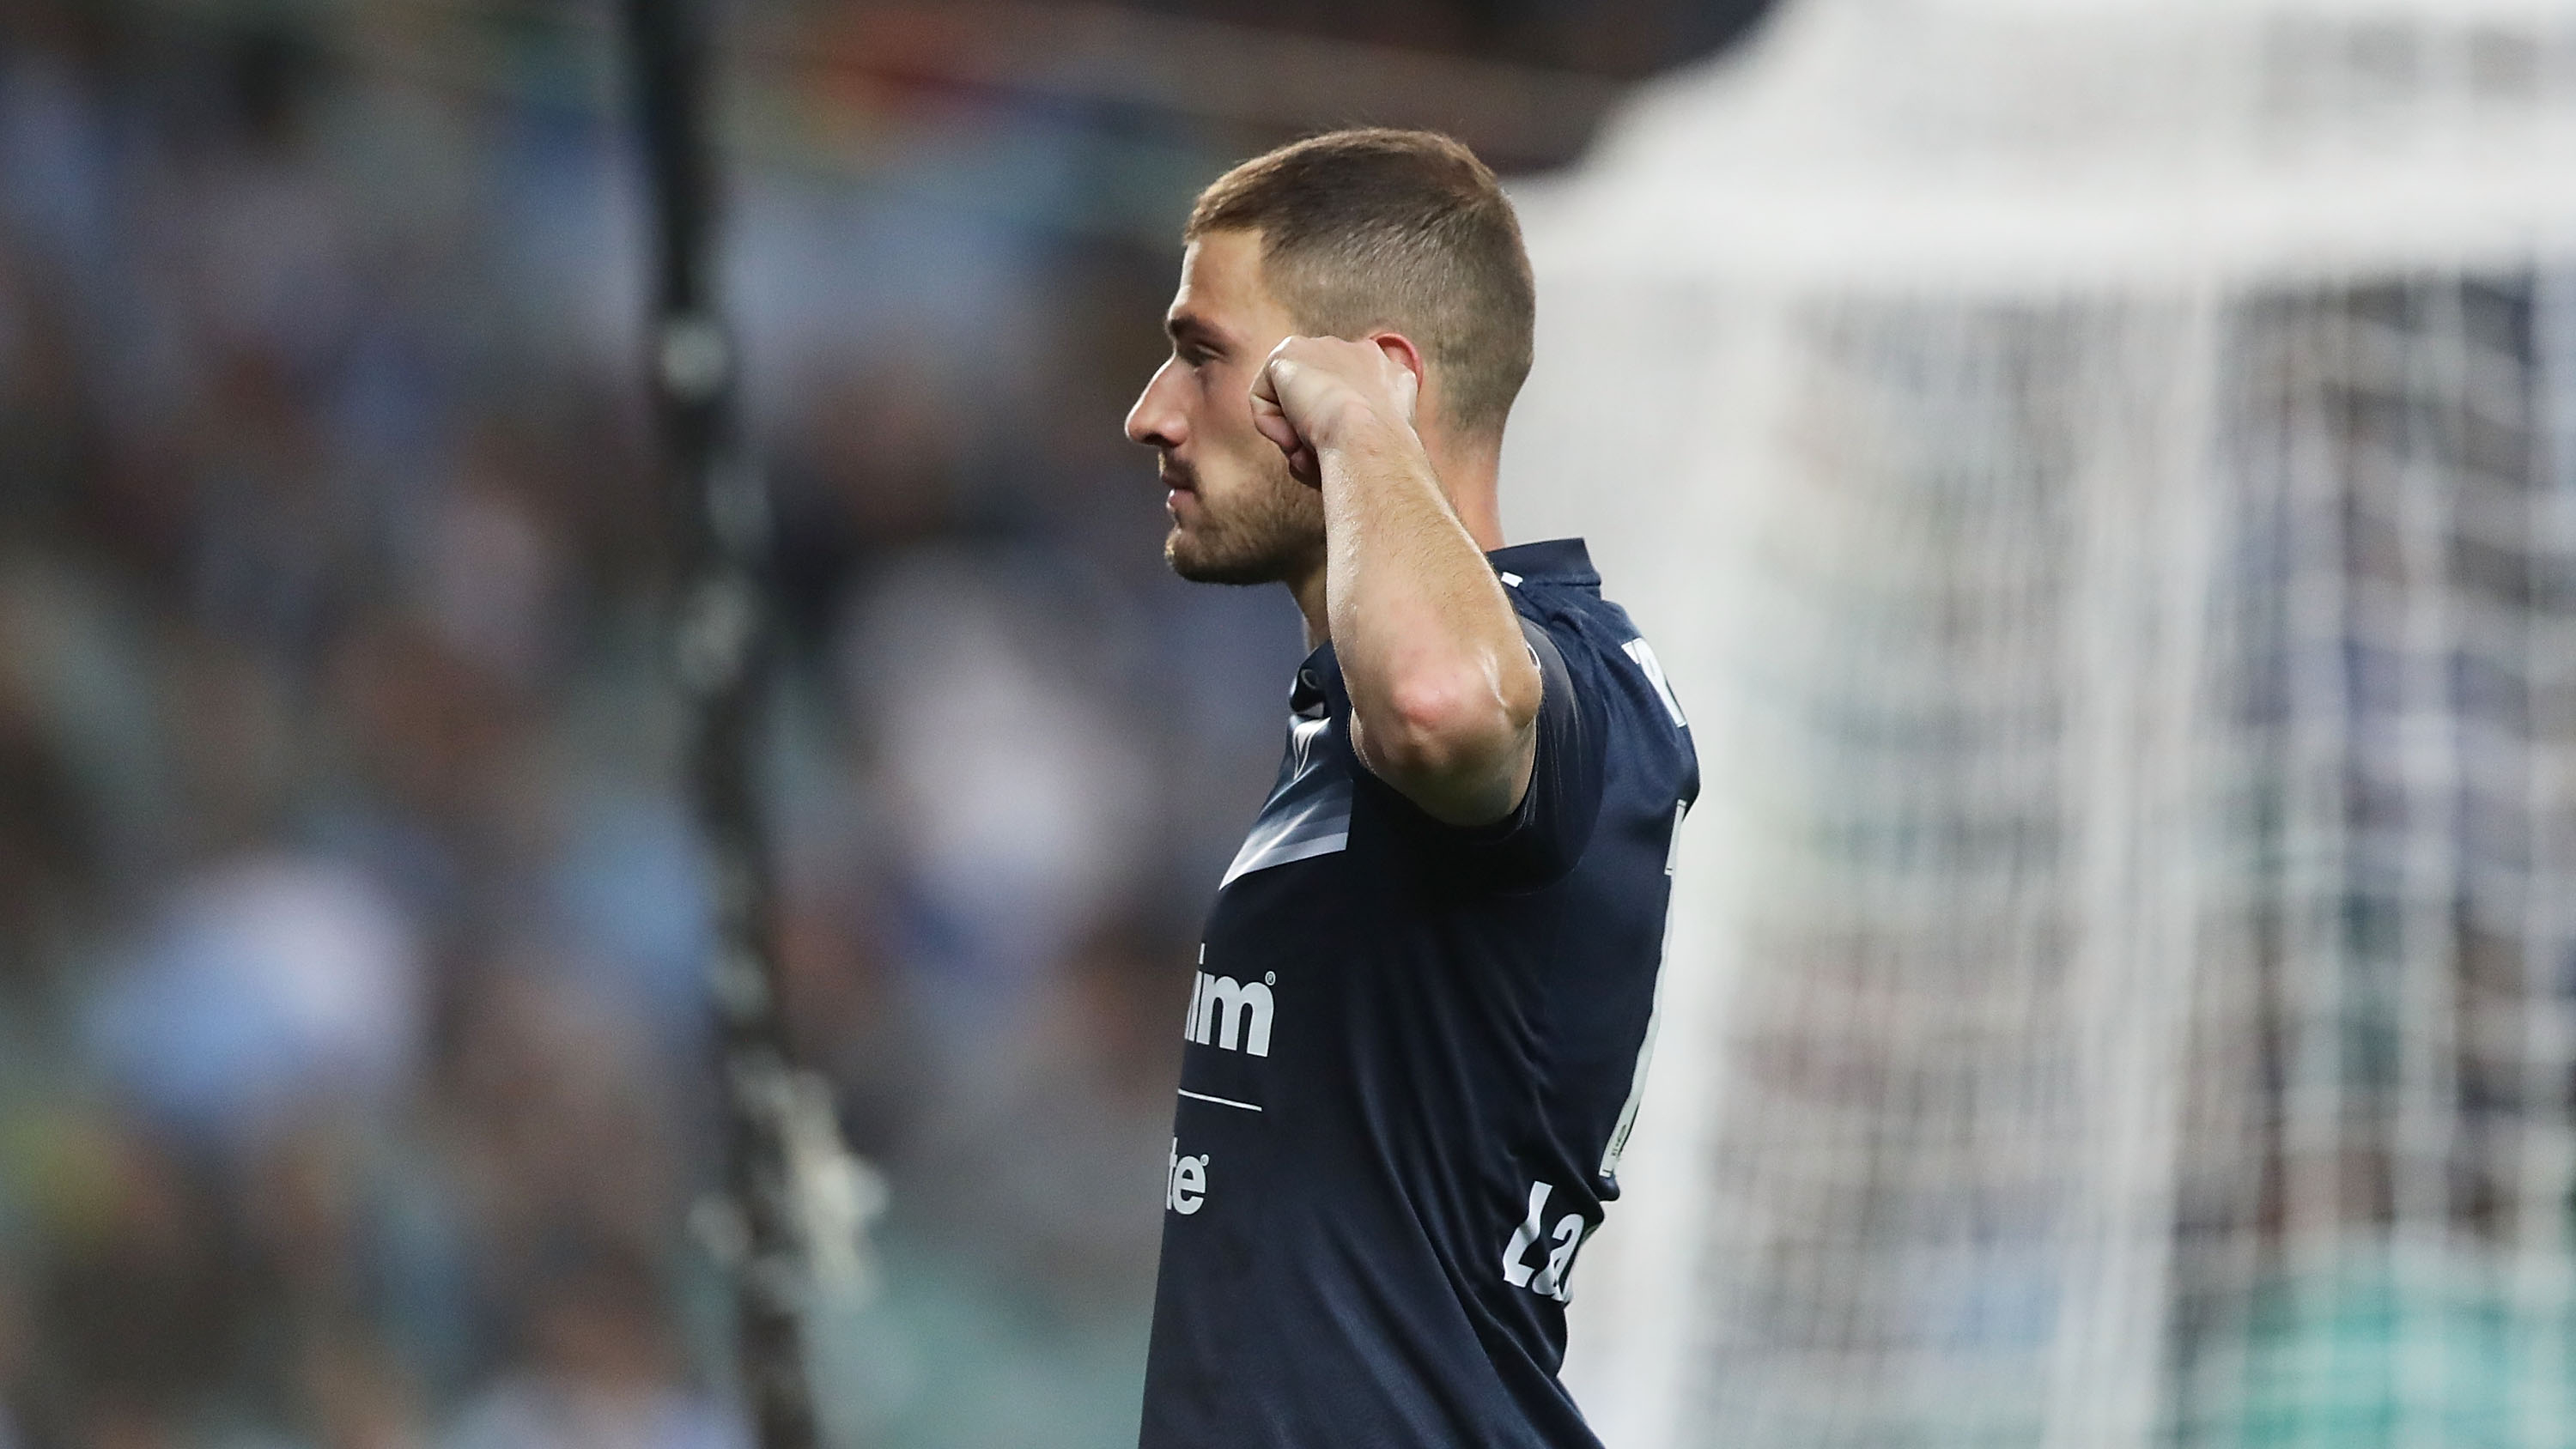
{"x": 1548, "y": 1278}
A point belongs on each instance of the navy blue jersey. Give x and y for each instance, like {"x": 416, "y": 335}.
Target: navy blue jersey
{"x": 1413, "y": 1050}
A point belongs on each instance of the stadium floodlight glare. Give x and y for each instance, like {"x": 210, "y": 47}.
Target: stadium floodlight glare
{"x": 2110, "y": 470}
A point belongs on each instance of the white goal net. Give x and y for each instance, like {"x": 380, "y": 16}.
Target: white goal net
{"x": 2103, "y": 479}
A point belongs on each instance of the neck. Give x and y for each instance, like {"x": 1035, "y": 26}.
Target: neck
{"x": 1308, "y": 590}
{"x": 1468, "y": 475}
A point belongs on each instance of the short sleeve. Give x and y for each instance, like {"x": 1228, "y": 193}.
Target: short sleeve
{"x": 1546, "y": 833}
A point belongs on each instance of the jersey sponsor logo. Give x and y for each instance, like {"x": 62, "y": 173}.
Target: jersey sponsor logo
{"x": 1229, "y": 1015}
{"x": 1547, "y": 1277}
{"x": 1185, "y": 1181}
{"x": 1643, "y": 655}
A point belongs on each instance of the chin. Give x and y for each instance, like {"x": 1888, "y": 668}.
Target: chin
{"x": 1190, "y": 557}
{"x": 1191, "y": 562}
{"x": 1271, "y": 533}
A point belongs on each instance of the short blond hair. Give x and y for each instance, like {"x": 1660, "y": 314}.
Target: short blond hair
{"x": 1405, "y": 230}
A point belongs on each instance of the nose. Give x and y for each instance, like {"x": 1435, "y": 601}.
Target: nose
{"x": 1156, "y": 420}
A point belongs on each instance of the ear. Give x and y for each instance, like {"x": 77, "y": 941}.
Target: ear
{"x": 1400, "y": 347}
{"x": 1400, "y": 350}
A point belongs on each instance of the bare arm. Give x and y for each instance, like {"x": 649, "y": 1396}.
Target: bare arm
{"x": 1444, "y": 694}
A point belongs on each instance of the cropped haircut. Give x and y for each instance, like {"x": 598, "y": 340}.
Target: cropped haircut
{"x": 1404, "y": 230}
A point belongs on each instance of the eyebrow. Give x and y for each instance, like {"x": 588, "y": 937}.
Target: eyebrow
{"x": 1185, "y": 327}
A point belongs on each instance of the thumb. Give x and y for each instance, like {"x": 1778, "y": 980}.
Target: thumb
{"x": 1274, "y": 425}
{"x": 1268, "y": 416}
{"x": 1271, "y": 383}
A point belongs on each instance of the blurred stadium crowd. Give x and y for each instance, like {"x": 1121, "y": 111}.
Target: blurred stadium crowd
{"x": 352, "y": 1078}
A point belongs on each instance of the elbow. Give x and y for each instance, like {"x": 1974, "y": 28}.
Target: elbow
{"x": 1450, "y": 724}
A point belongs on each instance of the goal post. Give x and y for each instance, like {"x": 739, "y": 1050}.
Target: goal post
{"x": 2103, "y": 479}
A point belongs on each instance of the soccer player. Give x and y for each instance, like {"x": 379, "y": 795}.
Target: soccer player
{"x": 1425, "y": 993}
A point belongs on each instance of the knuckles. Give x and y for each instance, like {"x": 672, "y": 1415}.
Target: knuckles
{"x": 1329, "y": 385}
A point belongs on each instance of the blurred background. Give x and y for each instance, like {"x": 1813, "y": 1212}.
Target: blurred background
{"x": 2102, "y": 476}
{"x": 353, "y": 1064}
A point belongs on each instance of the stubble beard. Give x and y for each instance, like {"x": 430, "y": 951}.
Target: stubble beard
{"x": 1273, "y": 531}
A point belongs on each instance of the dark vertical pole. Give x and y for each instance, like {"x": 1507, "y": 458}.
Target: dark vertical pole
{"x": 722, "y": 647}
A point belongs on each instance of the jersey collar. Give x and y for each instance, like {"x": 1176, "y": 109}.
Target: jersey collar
{"x": 1555, "y": 561}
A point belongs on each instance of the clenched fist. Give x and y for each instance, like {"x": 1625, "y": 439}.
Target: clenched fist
{"x": 1315, "y": 393}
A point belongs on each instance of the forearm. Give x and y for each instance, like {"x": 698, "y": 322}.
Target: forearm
{"x": 1443, "y": 691}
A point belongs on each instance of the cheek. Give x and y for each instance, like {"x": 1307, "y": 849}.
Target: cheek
{"x": 1217, "y": 382}
{"x": 1195, "y": 396}
{"x": 1222, "y": 403}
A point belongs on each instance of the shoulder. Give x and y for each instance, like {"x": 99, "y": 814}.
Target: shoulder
{"x": 1602, "y": 648}
{"x": 1633, "y": 713}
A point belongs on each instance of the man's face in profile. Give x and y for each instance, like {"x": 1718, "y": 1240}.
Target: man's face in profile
{"x": 1238, "y": 516}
